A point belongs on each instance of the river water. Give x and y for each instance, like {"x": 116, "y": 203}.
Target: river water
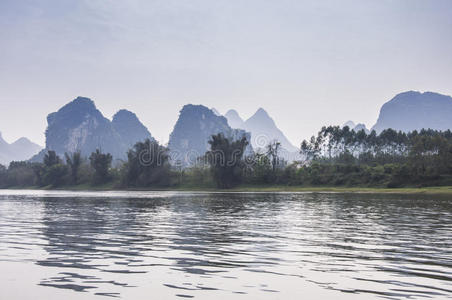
{"x": 176, "y": 245}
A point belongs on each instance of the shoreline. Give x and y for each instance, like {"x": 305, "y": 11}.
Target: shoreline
{"x": 443, "y": 190}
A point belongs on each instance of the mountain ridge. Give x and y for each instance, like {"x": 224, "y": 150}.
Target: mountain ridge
{"x": 80, "y": 126}
{"x": 21, "y": 149}
{"x": 356, "y": 127}
{"x": 234, "y": 119}
{"x": 413, "y": 110}
{"x": 262, "y": 127}
{"x": 194, "y": 128}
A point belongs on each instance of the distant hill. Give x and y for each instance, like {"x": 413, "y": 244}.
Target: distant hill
{"x": 411, "y": 110}
{"x": 350, "y": 124}
{"x": 361, "y": 126}
{"x": 22, "y": 149}
{"x": 129, "y": 128}
{"x": 234, "y": 119}
{"x": 262, "y": 127}
{"x": 80, "y": 126}
{"x": 356, "y": 127}
{"x": 193, "y": 129}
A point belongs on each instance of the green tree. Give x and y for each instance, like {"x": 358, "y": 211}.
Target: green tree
{"x": 74, "y": 161}
{"x": 273, "y": 154}
{"x": 39, "y": 169}
{"x": 101, "y": 163}
{"x": 51, "y": 158}
{"x": 3, "y": 174}
{"x": 225, "y": 159}
{"x": 56, "y": 175}
{"x": 54, "y": 171}
{"x": 258, "y": 169}
{"x": 147, "y": 164}
{"x": 20, "y": 173}
{"x": 2, "y": 169}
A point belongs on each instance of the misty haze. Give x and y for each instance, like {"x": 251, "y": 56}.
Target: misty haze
{"x": 225, "y": 149}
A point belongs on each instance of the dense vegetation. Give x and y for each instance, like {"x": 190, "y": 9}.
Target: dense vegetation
{"x": 335, "y": 157}
{"x": 226, "y": 160}
{"x": 340, "y": 156}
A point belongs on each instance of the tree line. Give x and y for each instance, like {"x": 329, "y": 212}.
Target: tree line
{"x": 336, "y": 156}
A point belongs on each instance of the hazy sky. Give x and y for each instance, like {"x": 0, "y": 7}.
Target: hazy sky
{"x": 308, "y": 63}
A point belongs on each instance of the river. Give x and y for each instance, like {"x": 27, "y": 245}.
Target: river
{"x": 170, "y": 245}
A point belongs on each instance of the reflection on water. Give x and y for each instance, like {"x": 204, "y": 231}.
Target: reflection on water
{"x": 203, "y": 245}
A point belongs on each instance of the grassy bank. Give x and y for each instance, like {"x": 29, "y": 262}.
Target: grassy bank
{"x": 264, "y": 188}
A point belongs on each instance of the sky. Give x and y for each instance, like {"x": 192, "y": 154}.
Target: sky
{"x": 308, "y": 63}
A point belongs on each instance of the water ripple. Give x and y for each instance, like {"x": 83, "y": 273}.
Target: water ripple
{"x": 204, "y": 245}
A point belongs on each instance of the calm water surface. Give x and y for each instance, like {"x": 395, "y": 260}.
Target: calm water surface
{"x": 169, "y": 245}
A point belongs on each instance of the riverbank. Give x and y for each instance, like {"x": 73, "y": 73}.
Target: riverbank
{"x": 375, "y": 190}
{"x": 325, "y": 189}
{"x": 258, "y": 188}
